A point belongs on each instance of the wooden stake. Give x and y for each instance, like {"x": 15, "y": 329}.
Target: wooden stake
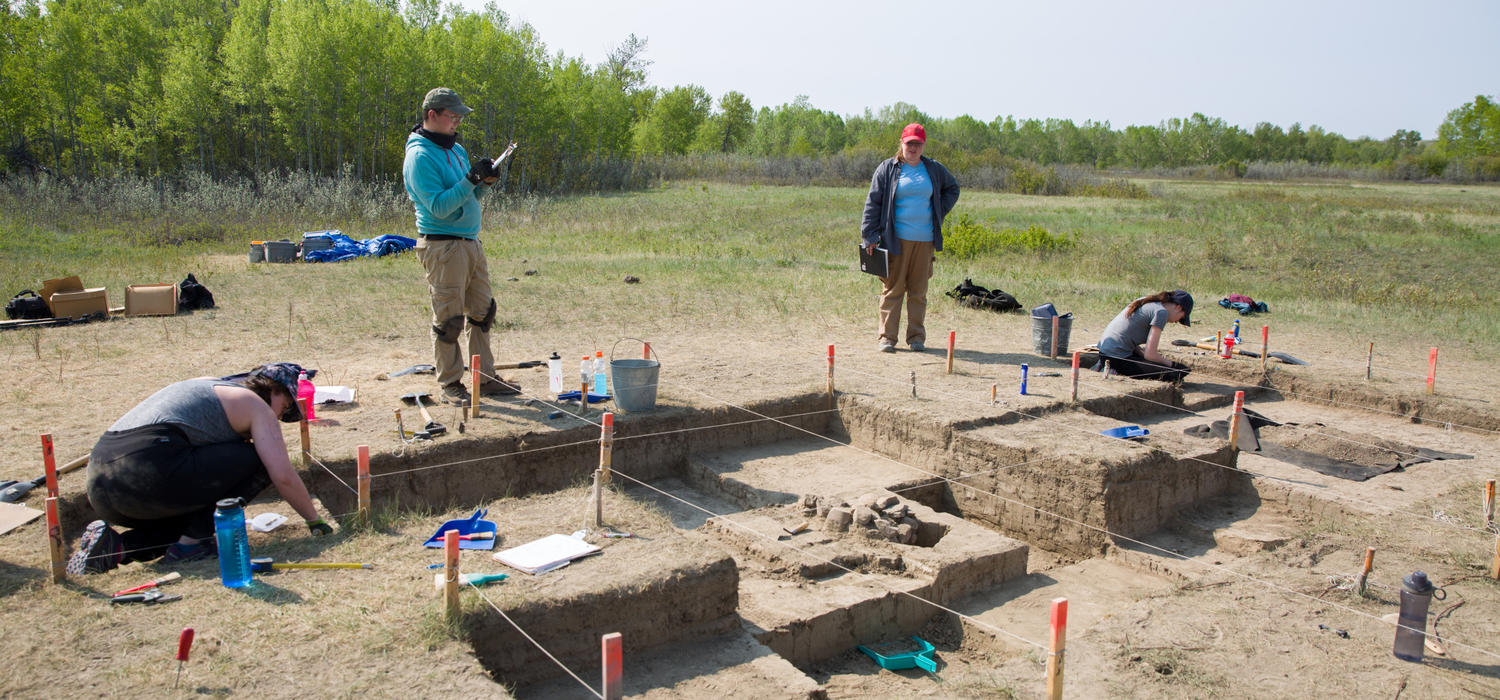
{"x": 597, "y": 495}
{"x": 1370, "y": 361}
{"x": 1218, "y": 342}
{"x": 914, "y": 384}
{"x": 646, "y": 351}
{"x": 1234, "y": 420}
{"x": 474, "y": 387}
{"x": 1364, "y": 572}
{"x": 612, "y": 646}
{"x": 306, "y": 436}
{"x": 49, "y": 465}
{"x": 450, "y": 571}
{"x": 832, "y": 402}
{"x": 1077, "y": 356}
{"x": 1489, "y": 502}
{"x": 55, "y": 541}
{"x": 1495, "y": 564}
{"x": 1053, "y": 354}
{"x": 606, "y": 444}
{"x": 952, "y": 335}
{"x": 362, "y": 477}
{"x": 994, "y": 394}
{"x": 1055, "y": 653}
{"x": 1431, "y": 370}
{"x": 1265, "y": 346}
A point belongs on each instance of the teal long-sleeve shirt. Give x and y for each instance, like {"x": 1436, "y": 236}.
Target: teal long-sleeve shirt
{"x": 437, "y": 182}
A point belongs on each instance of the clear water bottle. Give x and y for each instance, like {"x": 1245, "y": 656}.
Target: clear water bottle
{"x": 1411, "y": 635}
{"x": 305, "y": 392}
{"x": 601, "y": 381}
{"x": 585, "y": 374}
{"x": 234, "y": 546}
{"x": 555, "y": 374}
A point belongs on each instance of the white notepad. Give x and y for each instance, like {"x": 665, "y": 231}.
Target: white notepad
{"x": 546, "y": 554}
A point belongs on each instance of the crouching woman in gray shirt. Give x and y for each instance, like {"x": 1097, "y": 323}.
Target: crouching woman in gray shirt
{"x": 1130, "y": 342}
{"x": 161, "y": 467}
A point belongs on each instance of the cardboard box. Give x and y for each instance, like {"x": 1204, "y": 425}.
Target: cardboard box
{"x": 61, "y": 284}
{"x": 81, "y": 303}
{"x": 151, "y": 300}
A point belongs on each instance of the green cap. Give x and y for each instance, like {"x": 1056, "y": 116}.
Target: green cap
{"x": 444, "y": 98}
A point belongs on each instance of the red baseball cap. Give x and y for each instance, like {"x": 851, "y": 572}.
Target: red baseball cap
{"x": 914, "y": 132}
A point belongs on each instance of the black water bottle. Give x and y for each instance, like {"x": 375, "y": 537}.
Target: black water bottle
{"x": 1411, "y": 634}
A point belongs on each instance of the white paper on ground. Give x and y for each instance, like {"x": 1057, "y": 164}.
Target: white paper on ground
{"x": 266, "y": 522}
{"x": 332, "y": 394}
{"x": 545, "y": 554}
{"x": 14, "y": 515}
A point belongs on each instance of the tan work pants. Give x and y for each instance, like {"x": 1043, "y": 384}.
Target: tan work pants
{"x": 909, "y": 273}
{"x": 458, "y": 278}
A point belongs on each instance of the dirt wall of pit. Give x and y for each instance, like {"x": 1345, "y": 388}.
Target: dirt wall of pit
{"x": 464, "y": 469}
{"x": 689, "y": 592}
{"x": 1131, "y": 493}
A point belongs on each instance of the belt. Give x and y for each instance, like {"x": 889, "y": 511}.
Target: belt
{"x": 443, "y": 237}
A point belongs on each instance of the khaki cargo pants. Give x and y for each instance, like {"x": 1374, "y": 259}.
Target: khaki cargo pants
{"x": 458, "y": 278}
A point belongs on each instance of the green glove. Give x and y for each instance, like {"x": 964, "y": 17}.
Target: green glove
{"x": 319, "y": 527}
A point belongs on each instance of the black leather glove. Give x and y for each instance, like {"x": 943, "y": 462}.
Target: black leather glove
{"x": 483, "y": 171}
{"x": 319, "y": 527}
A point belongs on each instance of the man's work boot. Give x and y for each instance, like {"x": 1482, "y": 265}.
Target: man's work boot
{"x": 500, "y": 387}
{"x": 455, "y": 394}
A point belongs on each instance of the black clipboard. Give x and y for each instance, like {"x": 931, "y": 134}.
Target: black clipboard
{"x": 877, "y": 263}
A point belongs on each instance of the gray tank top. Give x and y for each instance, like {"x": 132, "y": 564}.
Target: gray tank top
{"x": 191, "y": 405}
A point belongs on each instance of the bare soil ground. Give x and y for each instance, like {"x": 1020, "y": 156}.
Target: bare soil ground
{"x": 1240, "y": 616}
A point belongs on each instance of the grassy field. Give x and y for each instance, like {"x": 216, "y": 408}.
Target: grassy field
{"x": 1398, "y": 264}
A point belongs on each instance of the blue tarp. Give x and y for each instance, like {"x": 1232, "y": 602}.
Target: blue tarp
{"x": 346, "y": 248}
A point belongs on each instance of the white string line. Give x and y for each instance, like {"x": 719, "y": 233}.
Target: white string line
{"x": 583, "y": 400}
{"x": 534, "y": 642}
{"x": 1269, "y": 477}
{"x": 1293, "y": 426}
{"x": 486, "y": 457}
{"x": 309, "y": 454}
{"x": 722, "y": 425}
{"x": 1372, "y": 409}
{"x": 1096, "y": 528}
{"x": 809, "y": 555}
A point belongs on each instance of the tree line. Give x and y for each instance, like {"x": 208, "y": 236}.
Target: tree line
{"x": 162, "y": 88}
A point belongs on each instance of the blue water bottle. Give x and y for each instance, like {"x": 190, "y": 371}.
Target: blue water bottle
{"x": 234, "y": 546}
{"x": 1236, "y": 331}
{"x": 601, "y": 380}
{"x": 1024, "y": 369}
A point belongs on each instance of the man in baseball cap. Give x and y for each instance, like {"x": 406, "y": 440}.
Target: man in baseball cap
{"x": 444, "y": 189}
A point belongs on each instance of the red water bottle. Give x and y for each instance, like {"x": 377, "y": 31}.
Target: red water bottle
{"x": 305, "y": 393}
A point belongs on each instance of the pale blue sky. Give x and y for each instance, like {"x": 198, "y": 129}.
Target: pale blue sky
{"x": 1355, "y": 68}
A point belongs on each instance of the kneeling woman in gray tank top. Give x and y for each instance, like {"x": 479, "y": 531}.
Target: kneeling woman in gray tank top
{"x": 1130, "y": 342}
{"x": 161, "y": 467}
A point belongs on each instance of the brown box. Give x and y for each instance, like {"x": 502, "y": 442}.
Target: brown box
{"x": 81, "y": 303}
{"x": 61, "y": 284}
{"x": 151, "y": 300}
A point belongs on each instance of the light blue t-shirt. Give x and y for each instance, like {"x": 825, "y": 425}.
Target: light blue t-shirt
{"x": 914, "y": 203}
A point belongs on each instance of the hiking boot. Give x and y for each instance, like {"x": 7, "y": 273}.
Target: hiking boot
{"x": 918, "y": 347}
{"x": 499, "y": 387}
{"x": 100, "y": 549}
{"x": 180, "y": 553}
{"x": 887, "y": 346}
{"x": 455, "y": 394}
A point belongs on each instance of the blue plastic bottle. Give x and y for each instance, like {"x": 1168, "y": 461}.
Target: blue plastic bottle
{"x": 234, "y": 546}
{"x": 1236, "y": 331}
{"x": 601, "y": 381}
{"x": 1024, "y": 369}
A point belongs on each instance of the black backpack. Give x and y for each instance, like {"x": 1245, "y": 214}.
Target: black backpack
{"x": 192, "y": 295}
{"x": 27, "y": 305}
{"x": 977, "y": 297}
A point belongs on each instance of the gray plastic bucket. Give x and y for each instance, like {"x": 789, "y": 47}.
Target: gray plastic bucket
{"x": 257, "y": 252}
{"x": 1041, "y": 334}
{"x": 281, "y": 251}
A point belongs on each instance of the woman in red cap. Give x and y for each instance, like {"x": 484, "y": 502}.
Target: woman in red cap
{"x": 909, "y": 196}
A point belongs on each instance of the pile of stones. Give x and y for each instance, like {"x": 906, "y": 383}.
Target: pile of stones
{"x": 876, "y": 517}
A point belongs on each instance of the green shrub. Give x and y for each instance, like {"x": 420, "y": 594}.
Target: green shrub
{"x": 967, "y": 239}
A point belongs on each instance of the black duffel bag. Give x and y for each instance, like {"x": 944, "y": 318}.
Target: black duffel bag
{"x": 27, "y": 305}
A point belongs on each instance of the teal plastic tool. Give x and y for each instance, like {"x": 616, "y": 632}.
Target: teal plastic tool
{"x": 900, "y": 655}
